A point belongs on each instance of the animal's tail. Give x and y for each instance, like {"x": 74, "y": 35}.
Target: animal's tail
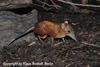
{"x": 28, "y": 31}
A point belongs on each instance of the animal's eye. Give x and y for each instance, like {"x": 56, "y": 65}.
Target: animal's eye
{"x": 68, "y": 31}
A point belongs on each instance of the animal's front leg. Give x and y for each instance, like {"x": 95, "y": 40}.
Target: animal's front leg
{"x": 63, "y": 39}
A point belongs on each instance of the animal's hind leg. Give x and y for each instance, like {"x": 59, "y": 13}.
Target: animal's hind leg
{"x": 43, "y": 37}
{"x": 40, "y": 39}
{"x": 52, "y": 41}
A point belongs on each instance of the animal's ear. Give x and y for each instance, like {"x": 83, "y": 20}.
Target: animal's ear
{"x": 66, "y": 22}
{"x": 63, "y": 26}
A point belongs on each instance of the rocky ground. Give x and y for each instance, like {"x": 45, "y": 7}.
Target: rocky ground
{"x": 85, "y": 53}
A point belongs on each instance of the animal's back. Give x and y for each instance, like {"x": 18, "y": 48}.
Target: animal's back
{"x": 46, "y": 28}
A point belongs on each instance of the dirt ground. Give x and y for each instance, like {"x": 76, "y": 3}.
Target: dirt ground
{"x": 85, "y": 53}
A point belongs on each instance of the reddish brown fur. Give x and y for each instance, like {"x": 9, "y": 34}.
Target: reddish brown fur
{"x": 50, "y": 28}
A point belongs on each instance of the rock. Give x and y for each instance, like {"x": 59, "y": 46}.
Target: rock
{"x": 12, "y": 4}
{"x": 12, "y": 25}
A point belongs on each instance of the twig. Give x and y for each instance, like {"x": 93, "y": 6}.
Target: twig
{"x": 69, "y": 64}
{"x": 12, "y": 56}
{"x": 32, "y": 43}
{"x": 78, "y": 47}
{"x": 58, "y": 43}
{"x": 85, "y": 43}
{"x": 90, "y": 44}
{"x": 46, "y": 4}
{"x": 86, "y": 5}
{"x": 55, "y": 5}
{"x": 42, "y": 6}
